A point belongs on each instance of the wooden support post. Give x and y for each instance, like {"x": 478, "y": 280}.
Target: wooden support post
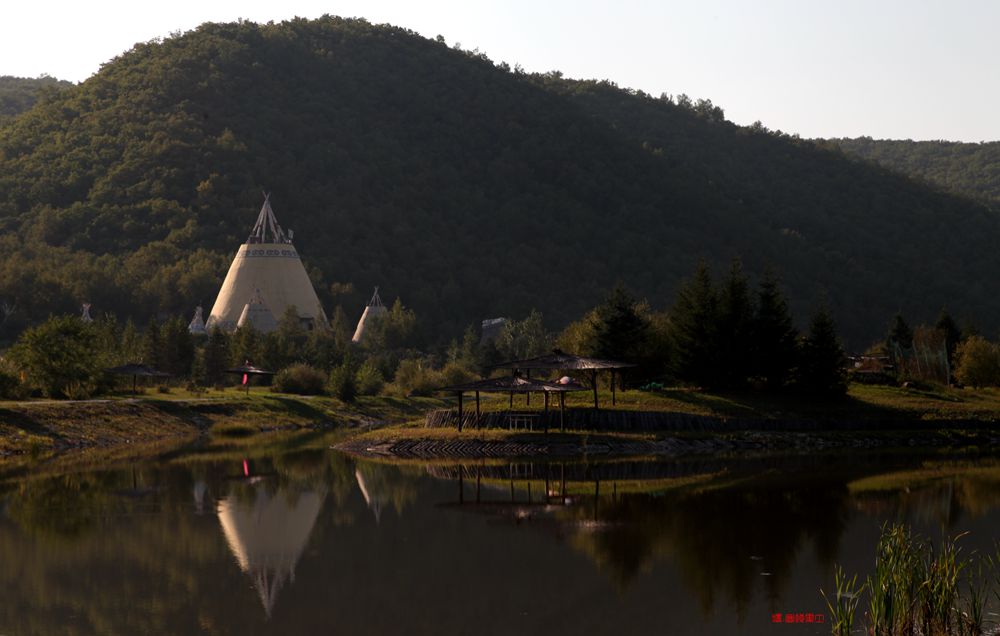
{"x": 527, "y": 394}
{"x": 612, "y": 387}
{"x": 545, "y": 416}
{"x": 562, "y": 411}
{"x": 593, "y": 377}
{"x": 460, "y": 412}
{"x": 478, "y": 416}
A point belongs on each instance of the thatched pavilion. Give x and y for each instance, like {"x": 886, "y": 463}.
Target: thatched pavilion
{"x": 514, "y": 384}
{"x": 559, "y": 360}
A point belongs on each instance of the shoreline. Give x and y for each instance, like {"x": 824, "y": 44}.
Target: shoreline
{"x": 375, "y": 428}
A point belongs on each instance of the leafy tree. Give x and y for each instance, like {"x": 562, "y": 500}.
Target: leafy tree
{"x": 392, "y": 330}
{"x": 978, "y": 362}
{"x": 821, "y": 359}
{"x": 775, "y": 337}
{"x": 526, "y": 338}
{"x": 61, "y": 357}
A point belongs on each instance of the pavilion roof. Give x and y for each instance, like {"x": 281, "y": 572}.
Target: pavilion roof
{"x": 561, "y": 360}
{"x": 516, "y": 384}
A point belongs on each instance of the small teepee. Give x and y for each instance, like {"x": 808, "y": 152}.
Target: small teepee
{"x": 372, "y": 310}
{"x": 267, "y": 266}
{"x": 85, "y": 317}
{"x": 256, "y": 314}
{"x": 197, "y": 325}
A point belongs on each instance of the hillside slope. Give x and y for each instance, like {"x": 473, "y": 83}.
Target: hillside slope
{"x": 18, "y": 94}
{"x": 963, "y": 168}
{"x": 466, "y": 189}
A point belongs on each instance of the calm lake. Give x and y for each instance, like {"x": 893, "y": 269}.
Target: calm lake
{"x": 312, "y": 541}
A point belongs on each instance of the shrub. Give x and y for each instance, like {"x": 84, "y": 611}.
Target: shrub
{"x": 978, "y": 362}
{"x": 341, "y": 383}
{"x": 413, "y": 377}
{"x": 300, "y": 379}
{"x": 369, "y": 379}
{"x": 10, "y": 384}
{"x": 456, "y": 373}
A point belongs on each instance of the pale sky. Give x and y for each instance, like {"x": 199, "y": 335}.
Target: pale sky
{"x": 917, "y": 69}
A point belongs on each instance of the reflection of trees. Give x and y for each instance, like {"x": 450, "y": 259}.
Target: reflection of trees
{"x": 942, "y": 502}
{"x": 721, "y": 541}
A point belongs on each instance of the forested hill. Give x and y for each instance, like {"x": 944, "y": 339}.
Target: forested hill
{"x": 465, "y": 188}
{"x": 964, "y": 168}
{"x": 18, "y": 94}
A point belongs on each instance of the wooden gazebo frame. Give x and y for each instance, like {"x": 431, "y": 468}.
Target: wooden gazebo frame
{"x": 514, "y": 384}
{"x": 559, "y": 360}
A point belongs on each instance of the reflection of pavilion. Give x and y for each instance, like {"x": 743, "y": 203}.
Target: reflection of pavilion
{"x": 267, "y": 535}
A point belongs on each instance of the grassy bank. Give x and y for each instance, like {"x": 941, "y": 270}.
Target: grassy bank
{"x": 36, "y": 428}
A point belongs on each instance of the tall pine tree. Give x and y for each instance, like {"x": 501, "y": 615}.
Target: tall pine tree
{"x": 821, "y": 360}
{"x": 694, "y": 333}
{"x": 775, "y": 349}
{"x": 735, "y": 329}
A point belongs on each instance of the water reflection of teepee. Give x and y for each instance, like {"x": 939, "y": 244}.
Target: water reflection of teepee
{"x": 373, "y": 499}
{"x": 267, "y": 536}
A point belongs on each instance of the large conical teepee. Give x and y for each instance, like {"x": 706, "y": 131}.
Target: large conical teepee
{"x": 269, "y": 265}
{"x": 373, "y": 309}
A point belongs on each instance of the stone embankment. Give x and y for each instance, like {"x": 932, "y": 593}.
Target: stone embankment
{"x": 541, "y": 445}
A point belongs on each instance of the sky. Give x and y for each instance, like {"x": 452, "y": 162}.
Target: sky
{"x": 888, "y": 69}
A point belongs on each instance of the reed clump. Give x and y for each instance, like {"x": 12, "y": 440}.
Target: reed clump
{"x": 916, "y": 589}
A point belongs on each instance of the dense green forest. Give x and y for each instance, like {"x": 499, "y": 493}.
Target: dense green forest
{"x": 18, "y": 94}
{"x": 466, "y": 188}
{"x": 964, "y": 168}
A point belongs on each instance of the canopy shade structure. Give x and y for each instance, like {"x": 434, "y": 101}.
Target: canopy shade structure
{"x": 268, "y": 534}
{"x": 268, "y": 265}
{"x": 559, "y": 360}
{"x": 248, "y": 371}
{"x": 373, "y": 310}
{"x": 135, "y": 370}
{"x": 513, "y": 384}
